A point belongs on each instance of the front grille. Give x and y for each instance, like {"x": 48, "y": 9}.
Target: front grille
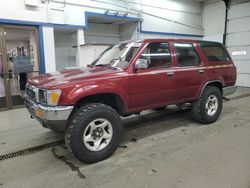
{"x": 42, "y": 96}
{"x": 31, "y": 94}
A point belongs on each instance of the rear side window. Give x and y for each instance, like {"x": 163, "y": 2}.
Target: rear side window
{"x": 215, "y": 52}
{"x": 186, "y": 54}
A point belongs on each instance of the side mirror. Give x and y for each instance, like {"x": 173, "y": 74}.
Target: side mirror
{"x": 141, "y": 64}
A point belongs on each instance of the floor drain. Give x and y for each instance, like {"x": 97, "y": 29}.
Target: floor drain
{"x": 31, "y": 150}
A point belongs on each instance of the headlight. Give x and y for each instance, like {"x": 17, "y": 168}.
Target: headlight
{"x": 49, "y": 97}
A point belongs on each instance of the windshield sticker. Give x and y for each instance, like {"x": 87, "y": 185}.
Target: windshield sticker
{"x": 136, "y": 45}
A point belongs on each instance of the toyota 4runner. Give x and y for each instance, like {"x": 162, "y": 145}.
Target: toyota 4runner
{"x": 127, "y": 78}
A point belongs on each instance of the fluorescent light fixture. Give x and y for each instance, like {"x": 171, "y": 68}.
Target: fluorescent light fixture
{"x": 115, "y": 13}
{"x": 112, "y": 13}
{"x": 124, "y": 14}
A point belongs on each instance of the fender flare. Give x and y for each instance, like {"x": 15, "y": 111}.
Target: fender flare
{"x": 207, "y": 83}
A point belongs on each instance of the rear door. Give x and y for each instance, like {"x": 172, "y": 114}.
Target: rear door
{"x": 189, "y": 69}
{"x": 156, "y": 85}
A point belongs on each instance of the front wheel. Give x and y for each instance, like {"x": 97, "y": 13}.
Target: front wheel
{"x": 207, "y": 108}
{"x": 94, "y": 133}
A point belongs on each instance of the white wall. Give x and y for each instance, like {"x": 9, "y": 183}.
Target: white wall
{"x": 111, "y": 33}
{"x": 213, "y": 20}
{"x": 171, "y": 16}
{"x": 16, "y": 9}
{"x": 102, "y": 33}
{"x": 65, "y": 49}
{"x": 49, "y": 49}
{"x": 175, "y": 16}
{"x": 128, "y": 31}
{"x": 88, "y": 53}
{"x": 165, "y": 16}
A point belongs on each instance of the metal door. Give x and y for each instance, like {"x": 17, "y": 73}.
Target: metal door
{"x": 238, "y": 40}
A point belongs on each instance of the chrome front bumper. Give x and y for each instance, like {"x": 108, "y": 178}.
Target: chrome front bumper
{"x": 47, "y": 113}
{"x": 229, "y": 90}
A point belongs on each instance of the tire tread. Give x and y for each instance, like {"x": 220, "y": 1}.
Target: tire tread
{"x": 74, "y": 126}
{"x": 197, "y": 106}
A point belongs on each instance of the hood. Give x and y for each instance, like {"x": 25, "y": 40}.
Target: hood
{"x": 50, "y": 80}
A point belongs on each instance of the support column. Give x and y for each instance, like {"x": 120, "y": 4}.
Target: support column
{"x": 80, "y": 41}
{"x": 49, "y": 49}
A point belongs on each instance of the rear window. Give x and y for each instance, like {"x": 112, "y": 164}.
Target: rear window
{"x": 186, "y": 55}
{"x": 215, "y": 52}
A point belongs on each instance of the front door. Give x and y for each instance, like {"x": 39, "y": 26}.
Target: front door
{"x": 18, "y": 62}
{"x": 154, "y": 86}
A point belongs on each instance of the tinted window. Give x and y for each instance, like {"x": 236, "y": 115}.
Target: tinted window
{"x": 186, "y": 54}
{"x": 215, "y": 52}
{"x": 157, "y": 54}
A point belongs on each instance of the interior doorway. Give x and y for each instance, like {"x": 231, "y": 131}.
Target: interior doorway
{"x": 19, "y": 61}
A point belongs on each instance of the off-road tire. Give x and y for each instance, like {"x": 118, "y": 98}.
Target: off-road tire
{"x": 82, "y": 118}
{"x": 199, "y": 106}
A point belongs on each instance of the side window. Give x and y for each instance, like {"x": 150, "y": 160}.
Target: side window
{"x": 158, "y": 55}
{"x": 186, "y": 55}
{"x": 131, "y": 53}
{"x": 215, "y": 52}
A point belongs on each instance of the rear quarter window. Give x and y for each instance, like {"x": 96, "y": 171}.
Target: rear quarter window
{"x": 215, "y": 52}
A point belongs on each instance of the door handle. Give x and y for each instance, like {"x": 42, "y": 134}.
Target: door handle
{"x": 201, "y": 71}
{"x": 170, "y": 74}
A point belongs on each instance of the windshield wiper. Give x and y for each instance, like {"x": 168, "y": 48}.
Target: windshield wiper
{"x": 101, "y": 65}
{"x": 106, "y": 65}
{"x": 89, "y": 65}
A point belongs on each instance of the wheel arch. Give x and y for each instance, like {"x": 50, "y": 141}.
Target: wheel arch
{"x": 110, "y": 99}
{"x": 217, "y": 83}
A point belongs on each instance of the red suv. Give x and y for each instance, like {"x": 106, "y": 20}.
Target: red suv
{"x": 127, "y": 78}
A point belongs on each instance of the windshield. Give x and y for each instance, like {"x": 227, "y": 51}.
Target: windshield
{"x": 118, "y": 55}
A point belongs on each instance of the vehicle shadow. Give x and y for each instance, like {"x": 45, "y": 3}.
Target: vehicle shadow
{"x": 137, "y": 127}
{"x": 150, "y": 123}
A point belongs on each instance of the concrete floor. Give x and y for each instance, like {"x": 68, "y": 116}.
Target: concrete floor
{"x": 159, "y": 149}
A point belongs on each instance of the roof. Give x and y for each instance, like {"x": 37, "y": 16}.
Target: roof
{"x": 181, "y": 40}
{"x": 201, "y": 42}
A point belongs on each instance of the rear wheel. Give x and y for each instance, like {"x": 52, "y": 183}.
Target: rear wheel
{"x": 207, "y": 108}
{"x": 94, "y": 133}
